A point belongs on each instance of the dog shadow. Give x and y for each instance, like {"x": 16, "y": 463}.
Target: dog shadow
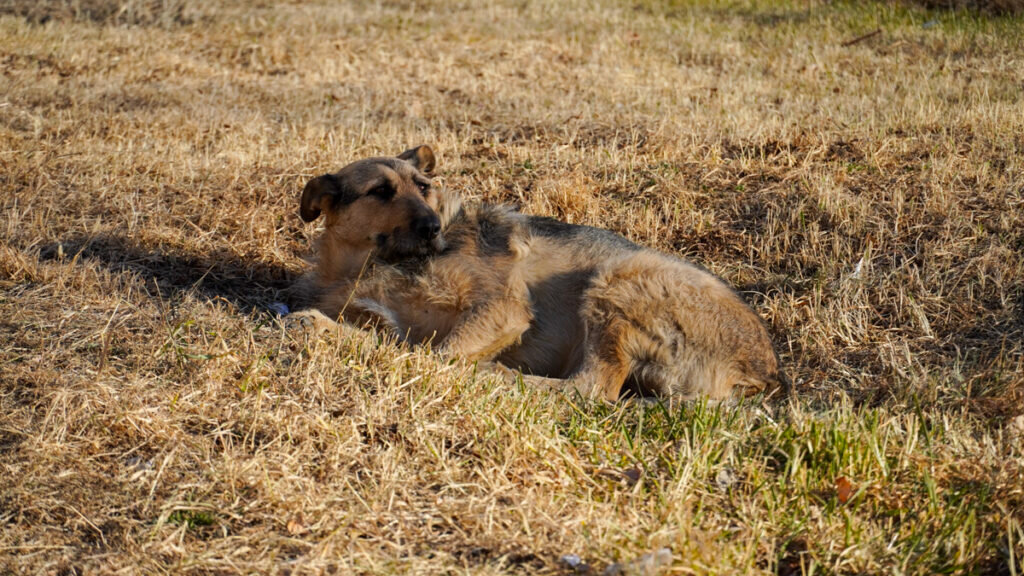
{"x": 247, "y": 285}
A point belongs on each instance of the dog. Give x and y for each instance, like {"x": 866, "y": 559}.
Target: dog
{"x": 571, "y": 307}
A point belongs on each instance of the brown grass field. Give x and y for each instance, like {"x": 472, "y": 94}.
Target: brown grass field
{"x": 856, "y": 170}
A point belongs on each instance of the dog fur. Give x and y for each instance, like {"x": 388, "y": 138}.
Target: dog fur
{"x": 572, "y": 307}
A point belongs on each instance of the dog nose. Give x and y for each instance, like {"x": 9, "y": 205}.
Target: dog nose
{"x": 428, "y": 228}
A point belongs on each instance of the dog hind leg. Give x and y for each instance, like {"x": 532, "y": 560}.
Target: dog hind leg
{"x": 606, "y": 365}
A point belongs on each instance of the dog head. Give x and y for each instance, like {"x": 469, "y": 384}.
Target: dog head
{"x": 383, "y": 204}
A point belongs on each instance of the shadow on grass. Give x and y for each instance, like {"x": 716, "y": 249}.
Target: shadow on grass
{"x": 219, "y": 275}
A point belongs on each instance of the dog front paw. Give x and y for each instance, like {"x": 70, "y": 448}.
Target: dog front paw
{"x": 500, "y": 370}
{"x": 309, "y": 322}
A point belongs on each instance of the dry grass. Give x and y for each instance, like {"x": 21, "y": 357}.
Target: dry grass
{"x": 867, "y": 199}
{"x": 165, "y": 13}
{"x": 978, "y": 6}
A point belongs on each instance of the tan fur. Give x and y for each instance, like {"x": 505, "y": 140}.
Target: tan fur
{"x": 572, "y": 307}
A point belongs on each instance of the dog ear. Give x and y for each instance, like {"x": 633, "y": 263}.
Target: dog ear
{"x": 449, "y": 204}
{"x": 315, "y": 196}
{"x": 422, "y": 157}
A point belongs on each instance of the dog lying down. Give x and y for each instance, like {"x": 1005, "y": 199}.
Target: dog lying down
{"x": 572, "y": 307}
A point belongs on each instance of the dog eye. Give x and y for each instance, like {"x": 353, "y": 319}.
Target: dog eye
{"x": 424, "y": 188}
{"x": 384, "y": 192}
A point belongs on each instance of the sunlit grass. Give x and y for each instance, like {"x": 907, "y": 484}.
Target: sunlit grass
{"x": 864, "y": 194}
